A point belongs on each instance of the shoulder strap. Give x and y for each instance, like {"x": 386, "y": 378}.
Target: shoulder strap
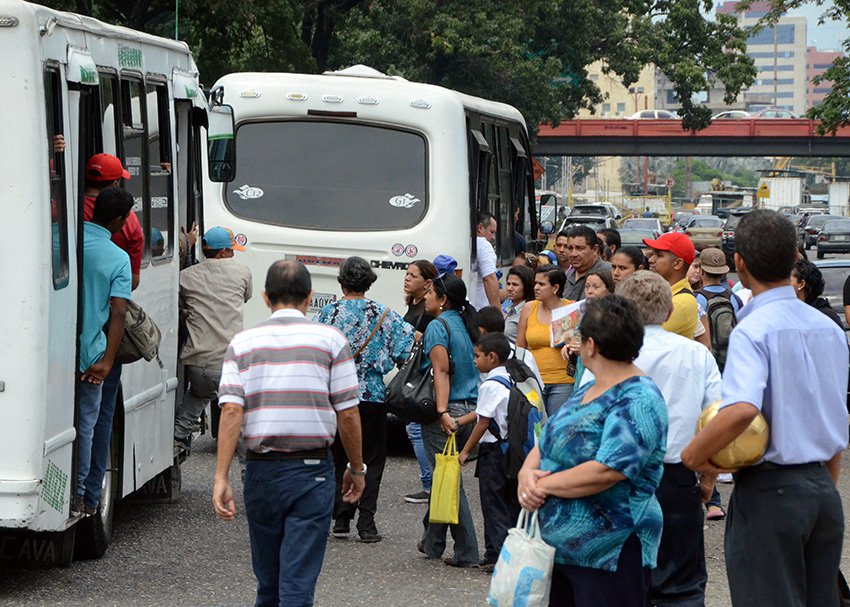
{"x": 372, "y": 334}
{"x": 502, "y": 380}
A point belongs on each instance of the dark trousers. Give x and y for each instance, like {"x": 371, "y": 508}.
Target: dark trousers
{"x": 288, "y": 505}
{"x": 680, "y": 577}
{"x": 585, "y": 587}
{"x": 784, "y": 530}
{"x": 499, "y": 504}
{"x": 373, "y": 424}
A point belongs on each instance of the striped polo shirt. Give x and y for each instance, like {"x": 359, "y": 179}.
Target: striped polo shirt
{"x": 291, "y": 376}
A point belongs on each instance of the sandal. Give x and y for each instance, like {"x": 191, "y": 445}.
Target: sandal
{"x": 715, "y": 513}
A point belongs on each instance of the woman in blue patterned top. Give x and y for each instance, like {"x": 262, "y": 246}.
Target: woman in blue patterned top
{"x": 598, "y": 465}
{"x": 357, "y": 317}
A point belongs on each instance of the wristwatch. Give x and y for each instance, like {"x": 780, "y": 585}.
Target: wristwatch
{"x": 354, "y": 472}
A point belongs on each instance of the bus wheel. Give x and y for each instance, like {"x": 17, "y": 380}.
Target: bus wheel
{"x": 94, "y": 532}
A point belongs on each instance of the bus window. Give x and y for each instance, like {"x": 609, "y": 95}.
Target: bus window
{"x": 109, "y": 114}
{"x": 56, "y": 170}
{"x": 135, "y": 150}
{"x": 329, "y": 176}
{"x": 505, "y": 236}
{"x": 161, "y": 234}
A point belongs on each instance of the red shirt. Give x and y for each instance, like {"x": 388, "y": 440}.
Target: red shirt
{"x": 131, "y": 238}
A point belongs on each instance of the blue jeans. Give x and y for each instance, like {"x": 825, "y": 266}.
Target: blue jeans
{"x": 288, "y": 504}
{"x": 434, "y": 540}
{"x": 555, "y": 395}
{"x": 90, "y": 397}
{"x": 101, "y": 437}
{"x": 414, "y": 433}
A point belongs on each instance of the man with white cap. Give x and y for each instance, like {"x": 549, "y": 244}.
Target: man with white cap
{"x": 212, "y": 302}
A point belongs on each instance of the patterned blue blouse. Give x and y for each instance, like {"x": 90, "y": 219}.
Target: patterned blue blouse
{"x": 625, "y": 429}
{"x": 356, "y": 318}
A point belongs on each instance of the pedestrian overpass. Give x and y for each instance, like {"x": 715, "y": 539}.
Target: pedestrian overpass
{"x": 755, "y": 137}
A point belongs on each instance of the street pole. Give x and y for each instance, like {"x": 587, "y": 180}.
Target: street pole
{"x": 176, "y": 19}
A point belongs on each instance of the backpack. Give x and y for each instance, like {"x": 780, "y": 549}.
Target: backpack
{"x": 721, "y": 321}
{"x": 525, "y": 420}
{"x": 141, "y": 337}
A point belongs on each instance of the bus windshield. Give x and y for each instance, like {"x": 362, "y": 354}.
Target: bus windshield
{"x": 329, "y": 176}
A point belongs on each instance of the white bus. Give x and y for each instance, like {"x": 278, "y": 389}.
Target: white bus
{"x": 104, "y": 89}
{"x": 355, "y": 162}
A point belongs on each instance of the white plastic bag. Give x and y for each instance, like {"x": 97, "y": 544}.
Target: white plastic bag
{"x": 523, "y": 573}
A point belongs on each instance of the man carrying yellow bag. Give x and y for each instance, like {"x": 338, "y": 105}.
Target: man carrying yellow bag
{"x": 445, "y": 485}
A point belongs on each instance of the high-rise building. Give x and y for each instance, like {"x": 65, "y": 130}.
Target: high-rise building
{"x": 817, "y": 62}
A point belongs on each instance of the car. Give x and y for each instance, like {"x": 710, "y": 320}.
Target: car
{"x": 601, "y": 209}
{"x": 644, "y": 223}
{"x": 653, "y": 115}
{"x": 835, "y": 273}
{"x": 834, "y": 237}
{"x": 680, "y": 220}
{"x": 774, "y": 112}
{"x": 808, "y": 228}
{"x": 732, "y": 115}
{"x": 615, "y": 212}
{"x": 728, "y": 243}
{"x": 593, "y": 221}
{"x": 634, "y": 238}
{"x": 705, "y": 231}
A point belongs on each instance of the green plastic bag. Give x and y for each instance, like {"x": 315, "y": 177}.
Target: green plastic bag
{"x": 445, "y": 485}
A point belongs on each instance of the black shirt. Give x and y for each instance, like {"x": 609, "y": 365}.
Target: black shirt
{"x": 417, "y": 317}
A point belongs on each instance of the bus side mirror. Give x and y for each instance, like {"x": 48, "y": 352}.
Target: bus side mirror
{"x": 222, "y": 144}
{"x": 547, "y": 199}
{"x": 547, "y": 227}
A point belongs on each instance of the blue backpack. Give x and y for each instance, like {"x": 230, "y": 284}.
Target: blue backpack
{"x": 525, "y": 421}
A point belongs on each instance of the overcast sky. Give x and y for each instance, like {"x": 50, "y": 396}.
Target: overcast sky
{"x": 827, "y": 36}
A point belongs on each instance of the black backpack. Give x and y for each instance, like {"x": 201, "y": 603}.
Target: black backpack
{"x": 525, "y": 420}
{"x": 721, "y": 321}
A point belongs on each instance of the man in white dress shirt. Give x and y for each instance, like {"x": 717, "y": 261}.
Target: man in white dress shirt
{"x": 688, "y": 377}
{"x": 486, "y": 286}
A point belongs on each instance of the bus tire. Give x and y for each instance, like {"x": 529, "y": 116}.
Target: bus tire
{"x": 94, "y": 532}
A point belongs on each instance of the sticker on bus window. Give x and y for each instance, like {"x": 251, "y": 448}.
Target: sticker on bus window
{"x": 247, "y": 192}
{"x": 405, "y": 201}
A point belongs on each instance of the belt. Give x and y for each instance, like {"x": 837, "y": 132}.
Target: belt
{"x": 322, "y": 453}
{"x": 772, "y": 466}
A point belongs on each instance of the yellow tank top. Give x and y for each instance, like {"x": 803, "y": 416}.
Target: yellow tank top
{"x": 552, "y": 367}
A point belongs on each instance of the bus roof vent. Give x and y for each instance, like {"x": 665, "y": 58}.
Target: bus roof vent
{"x": 363, "y": 71}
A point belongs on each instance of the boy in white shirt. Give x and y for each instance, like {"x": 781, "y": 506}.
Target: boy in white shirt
{"x": 499, "y": 505}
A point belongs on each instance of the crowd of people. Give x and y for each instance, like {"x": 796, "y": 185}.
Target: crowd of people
{"x": 620, "y": 478}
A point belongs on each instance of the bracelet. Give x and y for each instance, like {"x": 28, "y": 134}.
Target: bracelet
{"x": 354, "y": 472}
{"x": 442, "y": 413}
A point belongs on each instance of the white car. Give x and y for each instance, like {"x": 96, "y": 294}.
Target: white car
{"x": 653, "y": 115}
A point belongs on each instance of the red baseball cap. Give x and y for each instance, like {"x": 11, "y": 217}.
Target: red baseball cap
{"x": 105, "y": 167}
{"x": 675, "y": 242}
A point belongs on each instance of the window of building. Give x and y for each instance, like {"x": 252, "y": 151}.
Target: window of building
{"x": 770, "y": 55}
{"x": 606, "y": 108}
{"x": 822, "y": 66}
{"x": 785, "y": 94}
{"x": 823, "y": 90}
{"x": 777, "y": 68}
{"x": 56, "y": 172}
{"x": 784, "y": 35}
{"x": 621, "y": 108}
{"x": 769, "y": 81}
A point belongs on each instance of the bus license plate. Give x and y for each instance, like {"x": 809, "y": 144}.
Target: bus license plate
{"x": 320, "y": 300}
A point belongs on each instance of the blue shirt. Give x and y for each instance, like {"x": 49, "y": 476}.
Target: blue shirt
{"x": 703, "y": 301}
{"x": 106, "y": 273}
{"x": 790, "y": 361}
{"x": 625, "y": 429}
{"x": 464, "y": 382}
{"x": 392, "y": 342}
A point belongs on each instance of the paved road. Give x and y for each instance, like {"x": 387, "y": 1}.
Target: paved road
{"x": 179, "y": 554}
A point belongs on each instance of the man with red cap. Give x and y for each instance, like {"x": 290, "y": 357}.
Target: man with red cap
{"x": 672, "y": 255}
{"x": 104, "y": 171}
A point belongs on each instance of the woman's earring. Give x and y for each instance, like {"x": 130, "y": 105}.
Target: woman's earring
{"x": 441, "y": 307}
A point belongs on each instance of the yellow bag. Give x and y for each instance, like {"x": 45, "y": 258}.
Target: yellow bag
{"x": 445, "y": 485}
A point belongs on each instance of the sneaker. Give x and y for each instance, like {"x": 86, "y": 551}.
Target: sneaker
{"x": 77, "y": 506}
{"x": 183, "y": 443}
{"x": 370, "y": 537}
{"x": 342, "y": 528}
{"x": 423, "y": 497}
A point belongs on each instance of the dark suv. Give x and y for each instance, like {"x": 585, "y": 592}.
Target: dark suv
{"x": 807, "y": 231}
{"x": 728, "y": 243}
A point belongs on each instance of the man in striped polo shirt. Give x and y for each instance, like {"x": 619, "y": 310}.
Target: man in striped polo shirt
{"x": 287, "y": 384}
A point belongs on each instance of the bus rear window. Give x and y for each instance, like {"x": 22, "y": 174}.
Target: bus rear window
{"x": 329, "y": 176}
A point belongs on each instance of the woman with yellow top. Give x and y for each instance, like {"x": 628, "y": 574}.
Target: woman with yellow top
{"x": 534, "y": 335}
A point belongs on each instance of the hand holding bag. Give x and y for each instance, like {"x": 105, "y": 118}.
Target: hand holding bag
{"x": 523, "y": 573}
{"x": 445, "y": 485}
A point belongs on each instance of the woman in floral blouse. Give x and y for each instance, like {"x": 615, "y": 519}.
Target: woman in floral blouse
{"x": 379, "y": 339}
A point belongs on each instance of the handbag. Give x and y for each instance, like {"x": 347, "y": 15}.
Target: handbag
{"x": 410, "y": 394}
{"x": 445, "y": 485}
{"x": 141, "y": 337}
{"x": 523, "y": 573}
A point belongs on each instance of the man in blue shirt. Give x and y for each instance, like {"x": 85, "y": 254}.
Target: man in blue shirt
{"x": 106, "y": 282}
{"x": 786, "y": 359}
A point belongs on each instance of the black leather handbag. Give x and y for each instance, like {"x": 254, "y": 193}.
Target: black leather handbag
{"x": 410, "y": 394}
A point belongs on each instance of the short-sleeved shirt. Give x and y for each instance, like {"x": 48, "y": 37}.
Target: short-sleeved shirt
{"x": 106, "y": 274}
{"x": 417, "y": 316}
{"x": 464, "y": 381}
{"x": 131, "y": 238}
{"x": 574, "y": 289}
{"x": 702, "y": 301}
{"x": 213, "y": 294}
{"x": 485, "y": 265}
{"x": 493, "y": 403}
{"x": 392, "y": 342}
{"x": 291, "y": 376}
{"x": 512, "y": 313}
{"x": 790, "y": 362}
{"x": 685, "y": 315}
{"x": 625, "y": 429}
